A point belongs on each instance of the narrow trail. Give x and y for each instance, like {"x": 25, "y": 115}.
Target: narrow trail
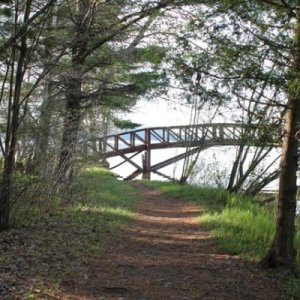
{"x": 165, "y": 254}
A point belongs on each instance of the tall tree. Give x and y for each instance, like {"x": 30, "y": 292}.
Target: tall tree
{"x": 282, "y": 252}
{"x": 95, "y": 25}
{"x": 250, "y": 30}
{"x": 18, "y": 55}
{"x": 236, "y": 47}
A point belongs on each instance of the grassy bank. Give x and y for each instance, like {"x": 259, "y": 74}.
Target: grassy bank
{"x": 103, "y": 199}
{"x": 53, "y": 239}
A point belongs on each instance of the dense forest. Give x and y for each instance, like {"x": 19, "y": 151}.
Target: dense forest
{"x": 68, "y": 68}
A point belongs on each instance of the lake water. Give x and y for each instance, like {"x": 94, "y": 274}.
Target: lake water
{"x": 212, "y": 169}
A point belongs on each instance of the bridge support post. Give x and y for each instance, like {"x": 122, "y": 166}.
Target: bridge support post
{"x": 146, "y": 158}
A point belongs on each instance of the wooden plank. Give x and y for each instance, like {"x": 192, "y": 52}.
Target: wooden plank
{"x": 131, "y": 162}
{"x": 176, "y": 158}
{"x": 124, "y": 161}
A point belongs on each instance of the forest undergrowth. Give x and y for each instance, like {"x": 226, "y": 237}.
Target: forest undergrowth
{"x": 54, "y": 238}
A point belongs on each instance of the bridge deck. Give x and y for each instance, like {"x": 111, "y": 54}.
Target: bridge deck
{"x": 178, "y": 136}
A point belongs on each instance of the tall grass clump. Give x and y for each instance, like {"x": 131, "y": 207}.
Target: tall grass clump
{"x": 33, "y": 197}
{"x": 245, "y": 227}
{"x": 240, "y": 224}
{"x": 242, "y": 227}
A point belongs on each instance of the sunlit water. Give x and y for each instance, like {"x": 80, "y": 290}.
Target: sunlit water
{"x": 212, "y": 169}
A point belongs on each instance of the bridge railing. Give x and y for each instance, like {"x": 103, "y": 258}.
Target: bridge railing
{"x": 178, "y": 136}
{"x": 194, "y": 138}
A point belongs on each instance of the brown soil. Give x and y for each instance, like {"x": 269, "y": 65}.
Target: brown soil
{"x": 165, "y": 254}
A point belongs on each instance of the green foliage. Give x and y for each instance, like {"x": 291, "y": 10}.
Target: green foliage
{"x": 242, "y": 227}
{"x": 146, "y": 81}
{"x": 294, "y": 86}
{"x": 31, "y": 204}
{"x": 239, "y": 54}
{"x": 152, "y": 54}
{"x": 5, "y": 2}
{"x": 125, "y": 124}
{"x": 98, "y": 198}
{"x": 22, "y": 180}
{"x": 297, "y": 239}
{"x": 5, "y": 11}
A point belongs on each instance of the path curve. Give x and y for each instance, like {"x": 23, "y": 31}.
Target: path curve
{"x": 165, "y": 254}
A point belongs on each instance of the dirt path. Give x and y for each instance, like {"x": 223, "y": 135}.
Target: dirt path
{"x": 165, "y": 254}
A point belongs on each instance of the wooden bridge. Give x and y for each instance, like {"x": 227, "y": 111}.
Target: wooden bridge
{"x": 195, "y": 138}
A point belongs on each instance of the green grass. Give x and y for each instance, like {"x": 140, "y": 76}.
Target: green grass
{"x": 242, "y": 227}
{"x": 97, "y": 197}
{"x": 239, "y": 224}
{"x": 102, "y": 198}
{"x": 211, "y": 199}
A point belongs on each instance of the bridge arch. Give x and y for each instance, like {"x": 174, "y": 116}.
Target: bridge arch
{"x": 193, "y": 137}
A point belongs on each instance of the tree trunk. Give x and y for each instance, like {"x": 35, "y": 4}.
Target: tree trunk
{"x": 282, "y": 252}
{"x": 258, "y": 157}
{"x": 39, "y": 163}
{"x": 5, "y": 186}
{"x": 65, "y": 169}
{"x": 73, "y": 86}
{"x": 254, "y": 189}
{"x": 12, "y": 125}
{"x": 234, "y": 169}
